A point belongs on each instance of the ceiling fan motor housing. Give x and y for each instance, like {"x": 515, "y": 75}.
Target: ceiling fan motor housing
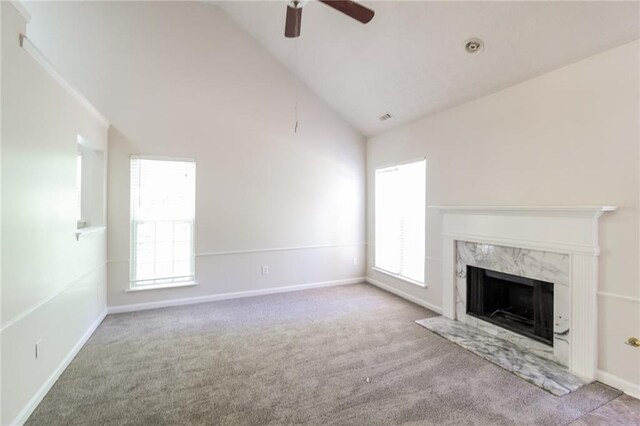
{"x": 297, "y": 4}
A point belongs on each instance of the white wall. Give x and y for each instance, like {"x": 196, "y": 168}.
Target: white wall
{"x": 569, "y": 137}
{"x": 181, "y": 79}
{"x": 53, "y": 287}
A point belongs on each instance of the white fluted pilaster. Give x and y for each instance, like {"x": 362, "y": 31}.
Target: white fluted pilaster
{"x": 448, "y": 278}
{"x": 584, "y": 315}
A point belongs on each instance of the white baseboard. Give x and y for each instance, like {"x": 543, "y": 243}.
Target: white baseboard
{"x": 28, "y": 409}
{"x": 404, "y": 295}
{"x": 625, "y": 386}
{"x": 226, "y": 296}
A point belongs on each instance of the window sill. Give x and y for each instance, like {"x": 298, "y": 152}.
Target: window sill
{"x": 161, "y": 286}
{"x": 92, "y": 230}
{"x": 399, "y": 277}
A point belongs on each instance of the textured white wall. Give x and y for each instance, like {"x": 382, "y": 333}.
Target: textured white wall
{"x": 181, "y": 79}
{"x": 569, "y": 137}
{"x": 53, "y": 287}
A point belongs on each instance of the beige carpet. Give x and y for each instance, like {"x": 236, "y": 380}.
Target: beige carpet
{"x": 300, "y": 357}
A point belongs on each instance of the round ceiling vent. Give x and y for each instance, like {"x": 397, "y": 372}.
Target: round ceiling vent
{"x": 474, "y": 45}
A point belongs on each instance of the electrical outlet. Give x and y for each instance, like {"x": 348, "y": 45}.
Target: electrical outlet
{"x": 265, "y": 270}
{"x": 38, "y": 349}
{"x": 355, "y": 261}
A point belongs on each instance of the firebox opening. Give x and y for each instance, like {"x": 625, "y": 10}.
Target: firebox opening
{"x": 522, "y": 305}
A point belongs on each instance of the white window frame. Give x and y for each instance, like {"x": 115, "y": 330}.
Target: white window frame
{"x": 384, "y": 271}
{"x": 80, "y": 222}
{"x": 166, "y": 282}
{"x": 91, "y": 189}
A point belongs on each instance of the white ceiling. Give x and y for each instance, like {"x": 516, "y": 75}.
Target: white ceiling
{"x": 410, "y": 61}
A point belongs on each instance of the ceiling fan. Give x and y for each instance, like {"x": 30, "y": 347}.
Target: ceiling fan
{"x": 348, "y": 7}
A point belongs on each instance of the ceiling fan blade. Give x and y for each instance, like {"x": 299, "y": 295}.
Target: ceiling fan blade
{"x": 351, "y": 8}
{"x": 293, "y": 22}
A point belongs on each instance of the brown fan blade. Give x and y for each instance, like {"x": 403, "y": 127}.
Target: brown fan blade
{"x": 351, "y": 8}
{"x": 293, "y": 22}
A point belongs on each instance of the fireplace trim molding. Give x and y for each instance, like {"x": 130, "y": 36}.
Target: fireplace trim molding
{"x": 571, "y": 230}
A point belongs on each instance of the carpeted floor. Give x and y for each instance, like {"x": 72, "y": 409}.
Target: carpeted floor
{"x": 300, "y": 357}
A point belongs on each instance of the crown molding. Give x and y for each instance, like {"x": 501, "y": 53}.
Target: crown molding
{"x": 21, "y": 9}
{"x": 32, "y": 50}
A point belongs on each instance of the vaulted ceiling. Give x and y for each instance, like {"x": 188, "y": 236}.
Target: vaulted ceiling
{"x": 410, "y": 61}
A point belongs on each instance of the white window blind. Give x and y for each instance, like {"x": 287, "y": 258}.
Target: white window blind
{"x": 400, "y": 220}
{"x": 162, "y": 221}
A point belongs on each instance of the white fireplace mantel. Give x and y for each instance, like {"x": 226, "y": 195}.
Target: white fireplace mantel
{"x": 572, "y": 230}
{"x": 557, "y": 209}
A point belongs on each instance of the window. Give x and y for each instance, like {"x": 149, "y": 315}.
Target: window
{"x": 400, "y": 220}
{"x": 162, "y": 221}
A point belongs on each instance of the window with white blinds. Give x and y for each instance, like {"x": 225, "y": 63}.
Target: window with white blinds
{"x": 400, "y": 220}
{"x": 162, "y": 221}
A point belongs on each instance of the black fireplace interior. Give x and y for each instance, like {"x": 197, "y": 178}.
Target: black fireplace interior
{"x": 519, "y": 304}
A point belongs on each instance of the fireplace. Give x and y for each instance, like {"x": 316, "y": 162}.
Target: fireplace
{"x": 555, "y": 244}
{"x": 522, "y": 305}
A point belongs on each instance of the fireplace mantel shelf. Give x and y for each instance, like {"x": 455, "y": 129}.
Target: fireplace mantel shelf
{"x": 549, "y": 209}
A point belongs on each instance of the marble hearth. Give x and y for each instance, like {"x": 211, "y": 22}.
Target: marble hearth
{"x": 543, "y": 373}
{"x": 552, "y": 244}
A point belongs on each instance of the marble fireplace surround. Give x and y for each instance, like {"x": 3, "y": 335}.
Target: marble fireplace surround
{"x": 565, "y": 236}
{"x": 539, "y": 265}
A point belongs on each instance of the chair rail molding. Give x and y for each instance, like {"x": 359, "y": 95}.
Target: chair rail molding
{"x": 571, "y": 230}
